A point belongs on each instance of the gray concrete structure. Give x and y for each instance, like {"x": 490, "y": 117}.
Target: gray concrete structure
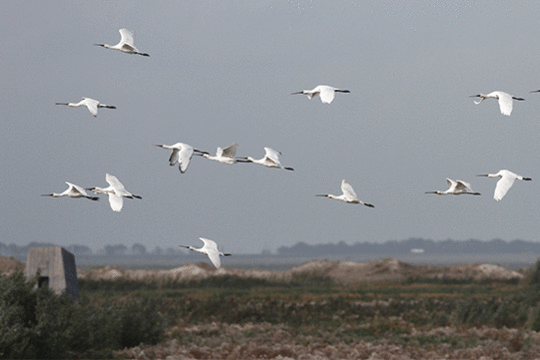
{"x": 57, "y": 269}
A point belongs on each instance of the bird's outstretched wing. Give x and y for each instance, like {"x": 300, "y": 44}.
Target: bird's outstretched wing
{"x": 175, "y": 157}
{"x": 230, "y": 151}
{"x": 116, "y": 201}
{"x": 92, "y": 105}
{"x": 211, "y": 249}
{"x": 327, "y": 94}
{"x": 185, "y": 158}
{"x": 77, "y": 188}
{"x": 503, "y": 185}
{"x": 126, "y": 38}
{"x": 348, "y": 191}
{"x": 115, "y": 183}
{"x": 272, "y": 156}
{"x": 463, "y": 186}
{"x": 505, "y": 103}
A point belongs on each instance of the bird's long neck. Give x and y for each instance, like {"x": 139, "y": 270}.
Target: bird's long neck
{"x": 198, "y": 250}
{"x": 99, "y": 190}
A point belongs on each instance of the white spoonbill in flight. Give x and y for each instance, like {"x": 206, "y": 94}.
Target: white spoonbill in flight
{"x": 458, "y": 187}
{"x": 181, "y": 155}
{"x": 506, "y": 102}
{"x": 270, "y": 159}
{"x": 116, "y": 191}
{"x": 325, "y": 92}
{"x": 505, "y": 183}
{"x": 125, "y": 44}
{"x": 73, "y": 191}
{"x": 348, "y": 196}
{"x": 209, "y": 249}
{"x": 225, "y": 156}
{"x": 91, "y": 104}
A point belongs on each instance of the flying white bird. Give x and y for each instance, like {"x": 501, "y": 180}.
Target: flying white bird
{"x": 91, "y": 104}
{"x": 116, "y": 191}
{"x": 270, "y": 159}
{"x": 348, "y": 196}
{"x": 505, "y": 100}
{"x": 225, "y": 156}
{"x": 73, "y": 191}
{"x": 326, "y": 93}
{"x": 505, "y": 183}
{"x": 125, "y": 44}
{"x": 209, "y": 249}
{"x": 458, "y": 187}
{"x": 181, "y": 155}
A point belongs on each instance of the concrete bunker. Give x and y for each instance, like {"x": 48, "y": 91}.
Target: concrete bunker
{"x": 56, "y": 268}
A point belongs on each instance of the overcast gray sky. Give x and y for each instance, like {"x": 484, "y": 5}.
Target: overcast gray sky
{"x": 221, "y": 72}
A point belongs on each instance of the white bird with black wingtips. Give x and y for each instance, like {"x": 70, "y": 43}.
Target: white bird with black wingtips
{"x": 348, "y": 196}
{"x": 91, "y": 104}
{"x": 125, "y": 44}
{"x": 325, "y": 92}
{"x": 458, "y": 187}
{"x": 505, "y": 183}
{"x": 73, "y": 191}
{"x": 225, "y": 156}
{"x": 270, "y": 159}
{"x": 181, "y": 155}
{"x": 116, "y": 191}
{"x": 506, "y": 102}
{"x": 209, "y": 249}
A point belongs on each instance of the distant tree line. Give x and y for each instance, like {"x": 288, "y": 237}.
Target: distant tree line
{"x": 496, "y": 246}
{"x": 83, "y": 250}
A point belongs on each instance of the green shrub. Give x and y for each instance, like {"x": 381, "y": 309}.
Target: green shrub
{"x": 533, "y": 275}
{"x": 37, "y": 323}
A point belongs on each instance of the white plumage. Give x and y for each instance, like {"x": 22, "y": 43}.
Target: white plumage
{"x": 505, "y": 183}
{"x": 348, "y": 196}
{"x": 116, "y": 191}
{"x": 506, "y": 102}
{"x": 209, "y": 249}
{"x": 225, "y": 156}
{"x": 73, "y": 191}
{"x": 270, "y": 159}
{"x": 181, "y": 155}
{"x": 325, "y": 92}
{"x": 125, "y": 44}
{"x": 458, "y": 187}
{"x": 91, "y": 104}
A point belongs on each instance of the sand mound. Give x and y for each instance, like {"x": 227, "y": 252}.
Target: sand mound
{"x": 9, "y": 265}
{"x": 346, "y": 272}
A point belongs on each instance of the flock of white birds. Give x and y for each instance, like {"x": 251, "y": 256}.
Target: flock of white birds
{"x": 182, "y": 154}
